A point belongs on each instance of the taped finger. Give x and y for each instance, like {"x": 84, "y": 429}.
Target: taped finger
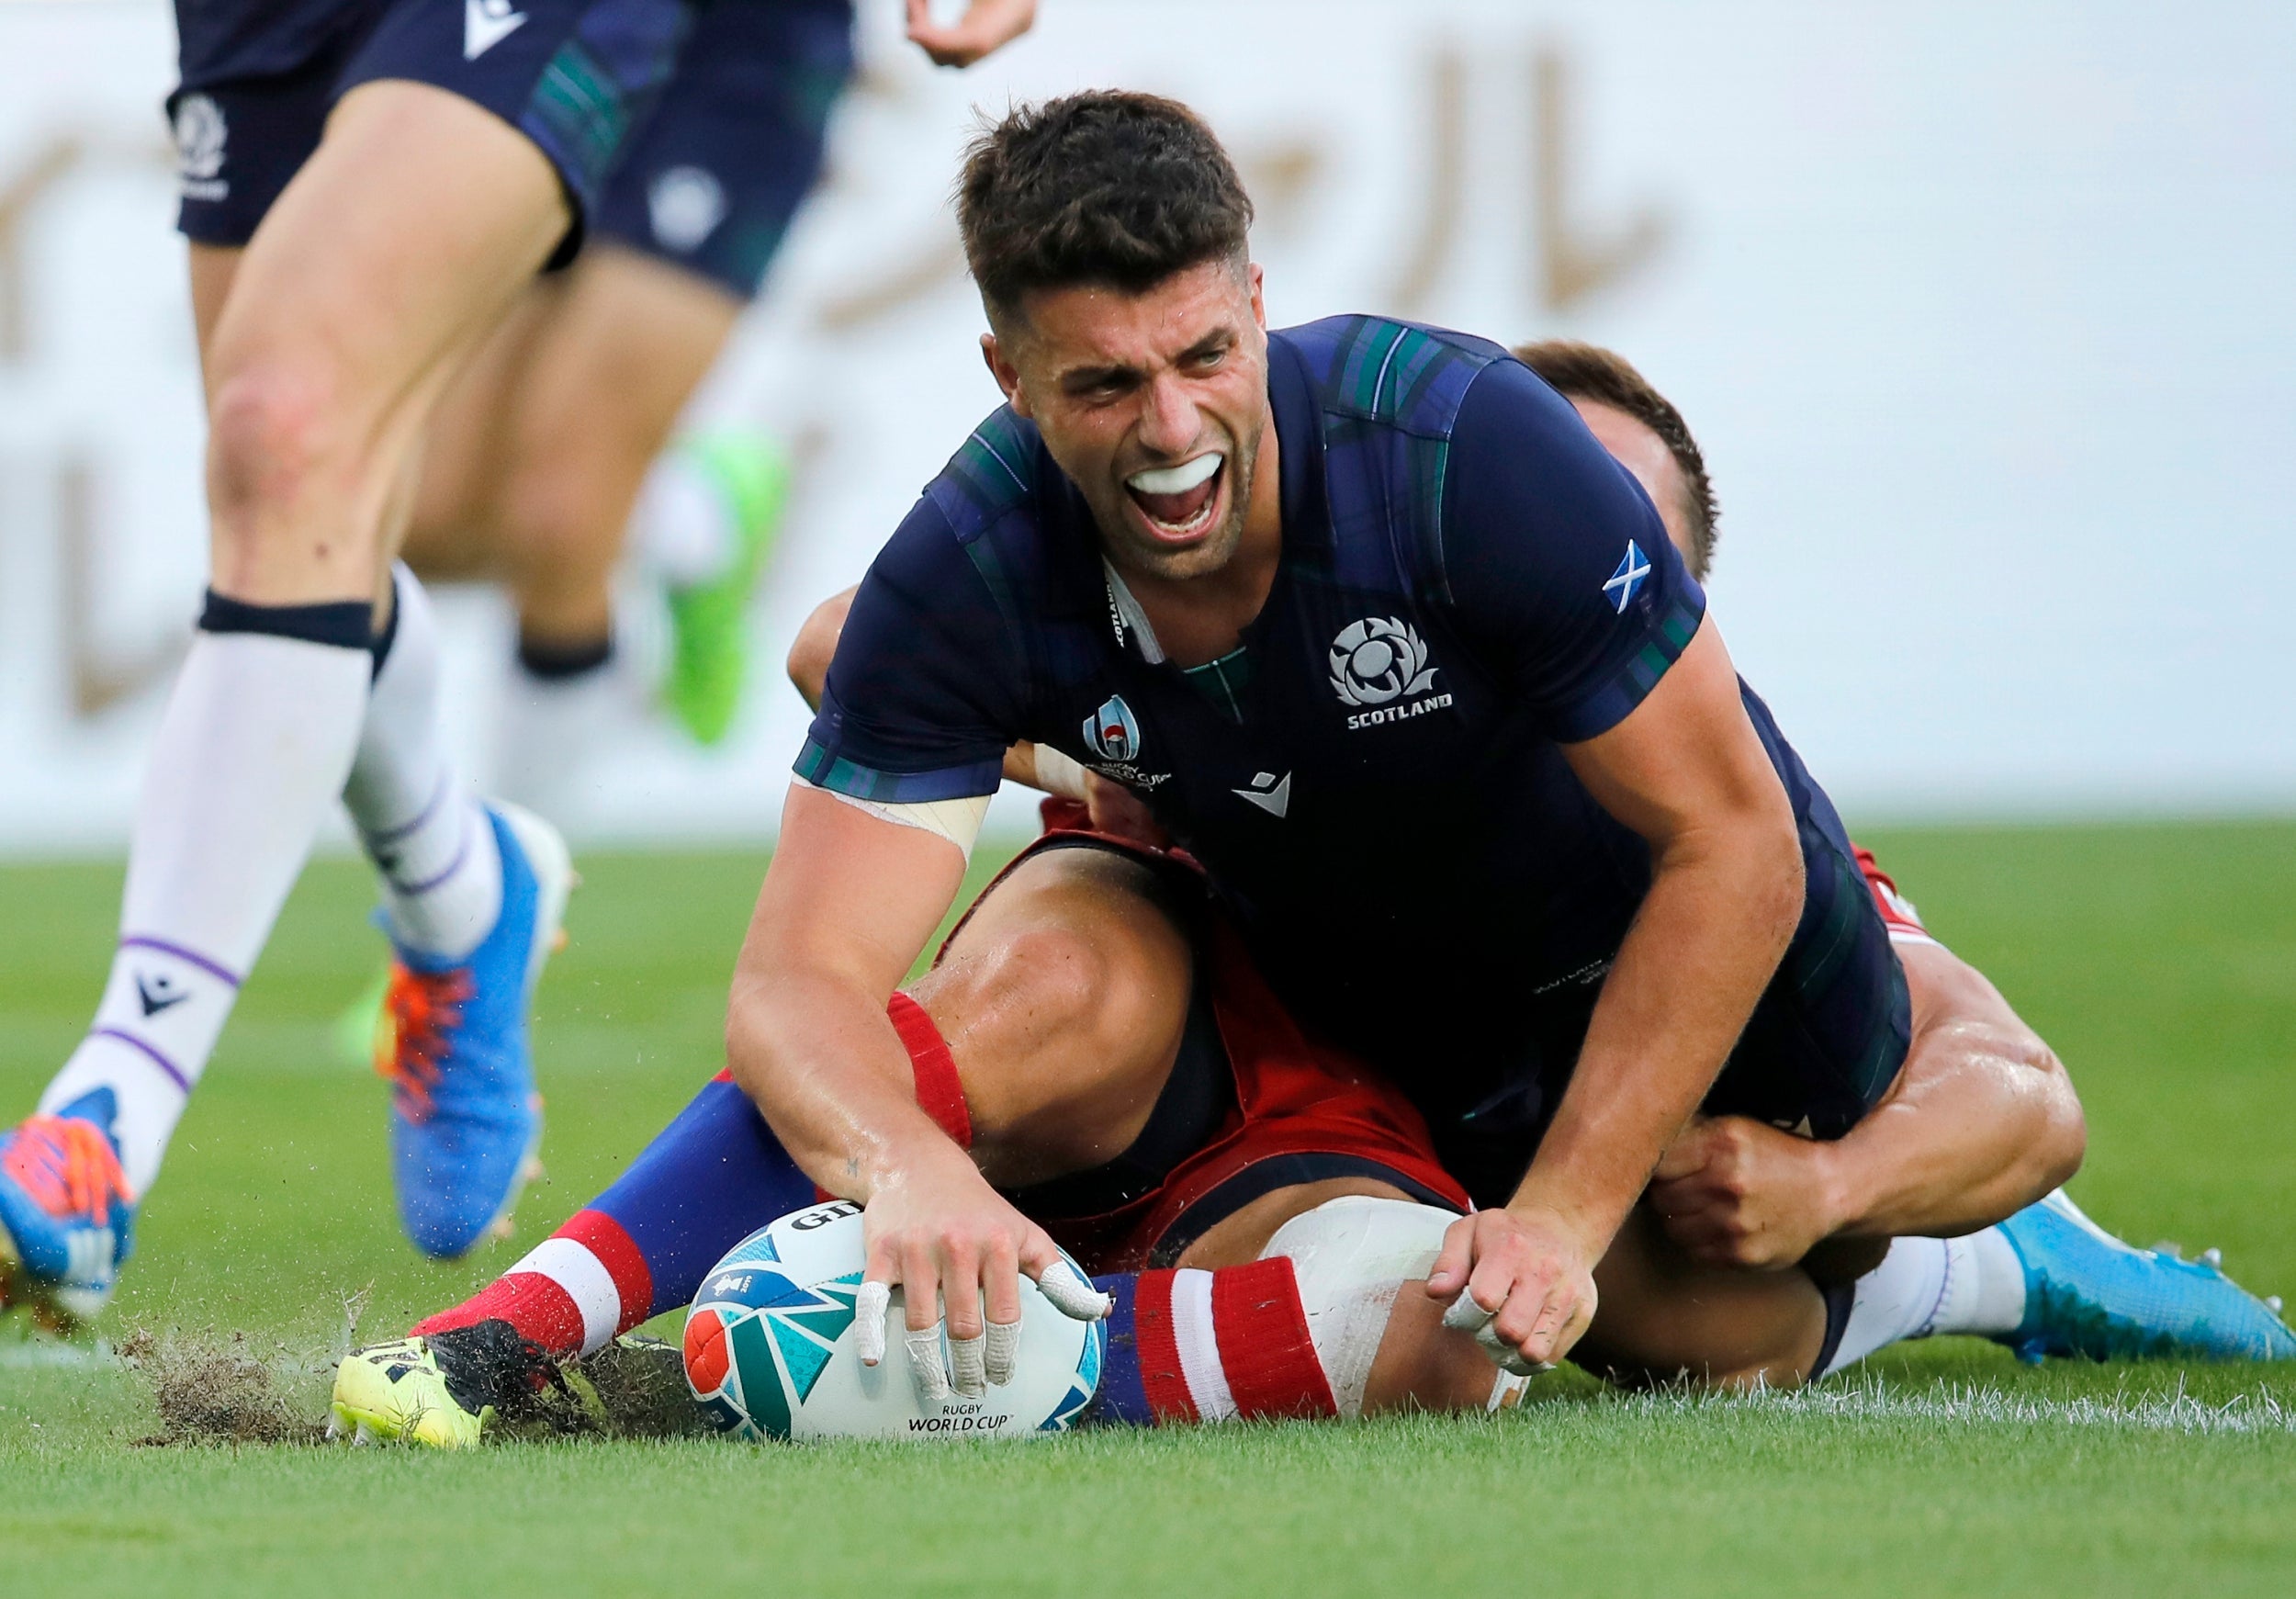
{"x": 968, "y": 1365}
{"x": 925, "y": 1363}
{"x": 871, "y": 1307}
{"x": 1506, "y": 1357}
{"x": 1003, "y": 1354}
{"x": 1073, "y": 1294}
{"x": 1464, "y": 1315}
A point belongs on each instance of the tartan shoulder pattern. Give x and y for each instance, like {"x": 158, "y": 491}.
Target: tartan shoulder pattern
{"x": 1389, "y": 394}
{"x": 992, "y": 474}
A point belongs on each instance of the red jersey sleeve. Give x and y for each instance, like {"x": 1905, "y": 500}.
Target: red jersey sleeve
{"x": 1897, "y": 912}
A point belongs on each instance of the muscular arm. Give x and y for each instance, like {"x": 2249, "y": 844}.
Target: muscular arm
{"x": 1982, "y": 1122}
{"x": 849, "y": 902}
{"x": 1688, "y": 773}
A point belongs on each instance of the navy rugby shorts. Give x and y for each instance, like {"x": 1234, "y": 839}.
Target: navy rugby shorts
{"x": 259, "y": 77}
{"x": 713, "y": 180}
{"x": 1822, "y": 1049}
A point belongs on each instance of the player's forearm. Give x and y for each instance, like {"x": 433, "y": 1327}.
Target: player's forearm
{"x": 1983, "y": 1122}
{"x": 822, "y": 1062}
{"x": 1717, "y": 916}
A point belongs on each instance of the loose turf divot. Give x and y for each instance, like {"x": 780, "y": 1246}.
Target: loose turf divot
{"x": 211, "y": 1389}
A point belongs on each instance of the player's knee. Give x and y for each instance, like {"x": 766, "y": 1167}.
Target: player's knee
{"x": 1046, "y": 983}
{"x": 275, "y": 436}
{"x": 1358, "y": 1262}
{"x": 2063, "y": 1143}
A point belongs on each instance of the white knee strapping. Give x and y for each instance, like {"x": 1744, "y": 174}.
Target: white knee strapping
{"x": 1350, "y": 1256}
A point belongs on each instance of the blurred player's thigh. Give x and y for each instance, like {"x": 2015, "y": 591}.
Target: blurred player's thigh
{"x": 712, "y": 182}
{"x": 682, "y": 238}
{"x": 395, "y": 172}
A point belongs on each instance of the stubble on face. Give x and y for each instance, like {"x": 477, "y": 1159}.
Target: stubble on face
{"x": 1155, "y": 405}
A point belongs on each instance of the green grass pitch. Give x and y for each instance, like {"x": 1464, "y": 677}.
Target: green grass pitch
{"x": 2160, "y": 960}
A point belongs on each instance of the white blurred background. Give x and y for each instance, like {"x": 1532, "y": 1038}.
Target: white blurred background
{"x": 1985, "y": 314}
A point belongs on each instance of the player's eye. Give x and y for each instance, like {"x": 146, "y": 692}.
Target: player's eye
{"x": 1100, "y": 386}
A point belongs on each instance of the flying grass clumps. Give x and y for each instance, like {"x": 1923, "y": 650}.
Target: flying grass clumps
{"x": 211, "y": 1389}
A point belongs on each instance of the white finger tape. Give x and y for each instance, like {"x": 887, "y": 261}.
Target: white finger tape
{"x": 1003, "y": 1354}
{"x": 1464, "y": 1315}
{"x": 925, "y": 1363}
{"x": 1072, "y": 1294}
{"x": 871, "y": 1307}
{"x": 968, "y": 1365}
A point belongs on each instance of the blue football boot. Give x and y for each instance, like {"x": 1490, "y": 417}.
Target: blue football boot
{"x": 2087, "y": 1293}
{"x": 67, "y": 1215}
{"x": 465, "y": 1123}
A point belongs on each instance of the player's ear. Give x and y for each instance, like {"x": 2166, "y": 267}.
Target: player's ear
{"x": 1008, "y": 376}
{"x": 1259, "y": 300}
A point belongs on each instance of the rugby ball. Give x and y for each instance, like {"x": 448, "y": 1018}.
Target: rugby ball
{"x": 770, "y": 1350}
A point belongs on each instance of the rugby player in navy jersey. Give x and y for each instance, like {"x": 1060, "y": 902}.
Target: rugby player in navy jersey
{"x": 1983, "y": 1119}
{"x": 1124, "y": 1060}
{"x": 1396, "y": 651}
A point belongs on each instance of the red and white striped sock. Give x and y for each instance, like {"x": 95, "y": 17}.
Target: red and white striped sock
{"x": 1215, "y": 1346}
{"x": 572, "y": 1294}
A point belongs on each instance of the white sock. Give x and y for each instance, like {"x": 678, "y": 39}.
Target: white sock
{"x": 1984, "y": 1287}
{"x": 682, "y": 525}
{"x": 552, "y": 728}
{"x": 427, "y": 834}
{"x": 253, "y": 747}
{"x": 1926, "y": 1285}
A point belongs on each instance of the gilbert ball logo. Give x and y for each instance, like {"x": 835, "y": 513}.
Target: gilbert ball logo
{"x": 1377, "y": 659}
{"x": 1113, "y": 732}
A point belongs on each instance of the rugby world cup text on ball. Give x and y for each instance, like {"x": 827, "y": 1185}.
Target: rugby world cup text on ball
{"x": 961, "y": 1418}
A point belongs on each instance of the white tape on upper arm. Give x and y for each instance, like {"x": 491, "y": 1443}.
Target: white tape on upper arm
{"x": 957, "y": 820}
{"x": 1057, "y": 775}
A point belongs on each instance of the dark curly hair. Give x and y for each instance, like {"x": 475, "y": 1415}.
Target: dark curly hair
{"x": 1107, "y": 186}
{"x": 1579, "y": 371}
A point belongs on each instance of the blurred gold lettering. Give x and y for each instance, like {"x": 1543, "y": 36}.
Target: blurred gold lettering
{"x": 1572, "y": 264}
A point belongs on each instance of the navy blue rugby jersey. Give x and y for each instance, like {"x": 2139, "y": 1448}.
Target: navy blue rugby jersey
{"x": 1374, "y": 780}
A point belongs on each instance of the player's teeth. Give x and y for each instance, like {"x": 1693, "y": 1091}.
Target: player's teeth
{"x": 1176, "y": 479}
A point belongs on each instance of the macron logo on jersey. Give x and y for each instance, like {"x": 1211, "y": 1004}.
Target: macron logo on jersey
{"x": 1632, "y": 570}
{"x": 487, "y": 23}
{"x": 1270, "y": 793}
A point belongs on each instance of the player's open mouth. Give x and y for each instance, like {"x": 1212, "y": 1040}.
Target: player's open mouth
{"x": 1178, "y": 502}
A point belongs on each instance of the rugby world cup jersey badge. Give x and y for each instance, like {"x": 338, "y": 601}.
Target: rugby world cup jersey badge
{"x": 1380, "y": 665}
{"x": 1112, "y": 734}
{"x": 1112, "y": 731}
